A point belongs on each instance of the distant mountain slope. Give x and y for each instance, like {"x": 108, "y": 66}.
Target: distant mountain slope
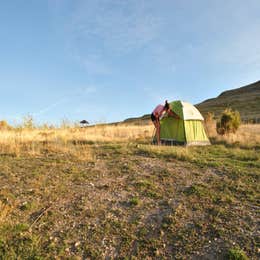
{"x": 138, "y": 120}
{"x": 245, "y": 99}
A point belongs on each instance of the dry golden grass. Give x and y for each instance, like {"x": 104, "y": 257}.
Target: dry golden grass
{"x": 71, "y": 141}
{"x": 4, "y": 211}
{"x": 248, "y": 135}
{"x": 74, "y": 141}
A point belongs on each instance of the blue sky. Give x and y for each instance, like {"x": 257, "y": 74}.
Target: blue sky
{"x": 107, "y": 60}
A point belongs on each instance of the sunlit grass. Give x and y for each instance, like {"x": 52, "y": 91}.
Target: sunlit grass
{"x": 80, "y": 192}
{"x": 69, "y": 140}
{"x": 73, "y": 140}
{"x": 247, "y": 136}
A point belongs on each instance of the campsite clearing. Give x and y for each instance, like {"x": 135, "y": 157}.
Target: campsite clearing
{"x": 130, "y": 199}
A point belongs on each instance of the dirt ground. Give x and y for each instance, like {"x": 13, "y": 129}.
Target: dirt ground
{"x": 131, "y": 202}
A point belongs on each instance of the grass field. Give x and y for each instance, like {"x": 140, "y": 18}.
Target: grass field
{"x": 105, "y": 192}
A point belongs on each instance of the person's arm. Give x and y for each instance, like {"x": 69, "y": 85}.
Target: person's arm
{"x": 172, "y": 114}
{"x": 164, "y": 113}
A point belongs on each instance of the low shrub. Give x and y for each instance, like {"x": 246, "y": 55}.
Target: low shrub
{"x": 229, "y": 122}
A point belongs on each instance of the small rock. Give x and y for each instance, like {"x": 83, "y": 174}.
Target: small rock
{"x": 77, "y": 244}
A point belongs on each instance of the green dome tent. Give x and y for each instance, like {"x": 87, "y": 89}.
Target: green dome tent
{"x": 188, "y": 130}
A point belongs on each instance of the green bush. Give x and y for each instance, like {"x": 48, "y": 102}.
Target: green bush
{"x": 229, "y": 122}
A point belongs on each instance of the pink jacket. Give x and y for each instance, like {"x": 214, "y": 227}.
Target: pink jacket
{"x": 158, "y": 111}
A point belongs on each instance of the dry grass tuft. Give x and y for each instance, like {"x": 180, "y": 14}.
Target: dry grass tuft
{"x": 5, "y": 209}
{"x": 71, "y": 141}
{"x": 75, "y": 141}
{"x": 248, "y": 135}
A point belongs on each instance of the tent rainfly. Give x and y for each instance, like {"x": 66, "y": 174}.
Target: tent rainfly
{"x": 187, "y": 130}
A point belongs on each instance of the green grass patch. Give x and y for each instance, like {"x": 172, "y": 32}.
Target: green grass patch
{"x": 134, "y": 201}
{"x": 198, "y": 190}
{"x": 236, "y": 254}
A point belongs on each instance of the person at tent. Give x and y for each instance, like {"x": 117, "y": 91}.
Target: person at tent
{"x": 172, "y": 114}
{"x": 156, "y": 115}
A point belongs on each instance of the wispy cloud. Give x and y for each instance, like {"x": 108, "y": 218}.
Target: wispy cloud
{"x": 100, "y": 31}
{"x": 228, "y": 36}
{"x": 90, "y": 89}
{"x": 95, "y": 65}
{"x": 121, "y": 26}
{"x": 238, "y": 48}
{"x": 50, "y": 107}
{"x": 73, "y": 97}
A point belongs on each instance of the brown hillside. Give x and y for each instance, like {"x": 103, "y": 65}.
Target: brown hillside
{"x": 245, "y": 99}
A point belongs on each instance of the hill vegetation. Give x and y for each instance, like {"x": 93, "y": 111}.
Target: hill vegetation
{"x": 246, "y": 100}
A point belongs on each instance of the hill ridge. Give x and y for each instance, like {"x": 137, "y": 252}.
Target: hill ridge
{"x": 245, "y": 99}
{"x": 248, "y": 88}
